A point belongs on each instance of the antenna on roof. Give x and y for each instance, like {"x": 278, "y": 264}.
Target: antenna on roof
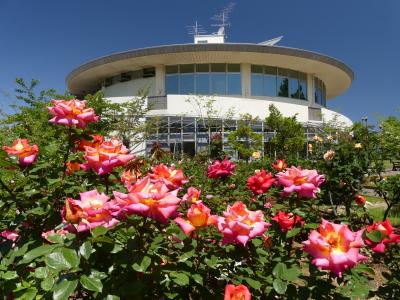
{"x": 223, "y": 18}
{"x": 196, "y": 29}
{"x": 272, "y": 42}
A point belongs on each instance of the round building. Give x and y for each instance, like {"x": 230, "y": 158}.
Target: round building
{"x": 240, "y": 78}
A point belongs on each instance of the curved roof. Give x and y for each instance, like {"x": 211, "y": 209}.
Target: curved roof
{"x": 336, "y": 75}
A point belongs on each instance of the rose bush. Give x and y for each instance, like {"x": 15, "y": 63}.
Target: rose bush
{"x": 126, "y": 228}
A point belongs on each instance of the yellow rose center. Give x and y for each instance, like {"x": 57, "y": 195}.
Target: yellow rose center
{"x": 19, "y": 146}
{"x": 300, "y": 180}
{"x": 149, "y": 201}
{"x": 96, "y": 203}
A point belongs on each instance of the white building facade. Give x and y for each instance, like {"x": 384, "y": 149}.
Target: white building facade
{"x": 240, "y": 78}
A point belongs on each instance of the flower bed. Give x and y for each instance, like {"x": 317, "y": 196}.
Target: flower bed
{"x": 90, "y": 220}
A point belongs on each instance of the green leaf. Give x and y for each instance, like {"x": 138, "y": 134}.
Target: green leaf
{"x": 185, "y": 256}
{"x": 198, "y": 278}
{"x": 146, "y": 261}
{"x": 111, "y": 297}
{"x": 311, "y": 225}
{"x": 279, "y": 270}
{"x": 293, "y": 232}
{"x": 91, "y": 283}
{"x": 27, "y": 294}
{"x": 253, "y": 283}
{"x": 9, "y": 275}
{"x": 57, "y": 262}
{"x": 180, "y": 278}
{"x": 47, "y": 283}
{"x": 64, "y": 288}
{"x": 104, "y": 239}
{"x": 117, "y": 248}
{"x": 62, "y": 260}
{"x": 71, "y": 257}
{"x": 257, "y": 242}
{"x": 41, "y": 272}
{"x": 291, "y": 274}
{"x": 53, "y": 181}
{"x": 98, "y": 231}
{"x": 374, "y": 236}
{"x": 37, "y": 252}
{"x": 56, "y": 238}
{"x": 279, "y": 286}
{"x": 361, "y": 268}
{"x": 86, "y": 250}
{"x": 212, "y": 261}
{"x": 39, "y": 167}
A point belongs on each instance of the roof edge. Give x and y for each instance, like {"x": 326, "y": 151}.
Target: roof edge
{"x": 240, "y": 47}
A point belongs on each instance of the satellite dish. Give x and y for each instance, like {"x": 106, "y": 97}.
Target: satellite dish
{"x": 272, "y": 42}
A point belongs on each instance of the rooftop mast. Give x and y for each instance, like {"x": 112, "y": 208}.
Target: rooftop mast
{"x": 218, "y": 37}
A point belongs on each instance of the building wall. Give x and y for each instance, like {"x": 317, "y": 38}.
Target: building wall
{"x": 178, "y": 105}
{"x": 126, "y": 90}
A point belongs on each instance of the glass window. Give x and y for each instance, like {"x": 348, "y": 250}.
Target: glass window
{"x": 323, "y": 94}
{"x": 302, "y": 86}
{"x": 270, "y": 85}
{"x": 234, "y": 68}
{"x": 316, "y": 98}
{"x": 171, "y": 69}
{"x": 283, "y": 82}
{"x": 203, "y": 83}
{"x": 318, "y": 91}
{"x": 218, "y": 68}
{"x": 257, "y": 69}
{"x": 293, "y": 84}
{"x": 202, "y": 68}
{"x": 234, "y": 84}
{"x": 283, "y": 85}
{"x": 172, "y": 84}
{"x": 270, "y": 70}
{"x": 218, "y": 83}
{"x": 186, "y": 68}
{"x": 257, "y": 86}
{"x": 149, "y": 72}
{"x": 187, "y": 83}
{"x": 137, "y": 74}
{"x": 175, "y": 125}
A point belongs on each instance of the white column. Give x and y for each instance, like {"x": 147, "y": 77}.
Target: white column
{"x": 310, "y": 89}
{"x": 160, "y": 80}
{"x": 245, "y": 76}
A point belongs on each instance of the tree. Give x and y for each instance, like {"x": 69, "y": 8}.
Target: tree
{"x": 210, "y": 118}
{"x": 244, "y": 139}
{"x": 31, "y": 117}
{"x": 125, "y": 120}
{"x": 390, "y": 137}
{"x": 288, "y": 133}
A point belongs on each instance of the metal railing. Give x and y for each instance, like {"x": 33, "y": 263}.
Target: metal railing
{"x": 157, "y": 102}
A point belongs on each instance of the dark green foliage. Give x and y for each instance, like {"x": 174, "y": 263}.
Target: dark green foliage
{"x": 288, "y": 139}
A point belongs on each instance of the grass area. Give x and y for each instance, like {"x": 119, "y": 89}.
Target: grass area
{"x": 377, "y": 214}
{"x": 373, "y": 199}
{"x": 387, "y": 165}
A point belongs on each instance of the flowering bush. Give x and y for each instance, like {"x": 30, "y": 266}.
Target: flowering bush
{"x": 104, "y": 158}
{"x": 71, "y": 113}
{"x": 303, "y": 182}
{"x": 150, "y": 229}
{"x": 260, "y": 182}
{"x": 26, "y": 153}
{"x": 335, "y": 247}
{"x": 220, "y": 169}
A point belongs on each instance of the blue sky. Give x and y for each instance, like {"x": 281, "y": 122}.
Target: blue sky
{"x": 46, "y": 39}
